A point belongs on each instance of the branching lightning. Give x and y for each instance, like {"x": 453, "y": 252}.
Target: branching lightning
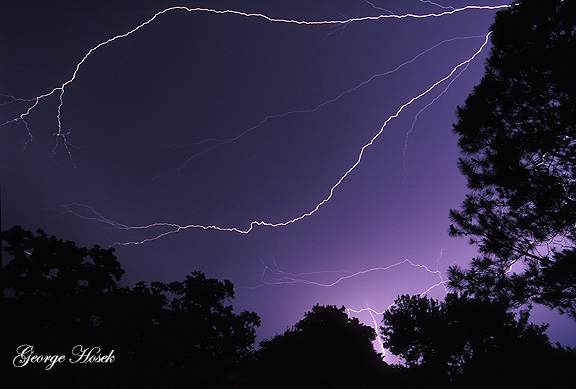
{"x": 281, "y": 277}
{"x": 62, "y": 137}
{"x": 177, "y": 227}
{"x": 373, "y": 313}
{"x": 437, "y": 5}
{"x": 418, "y": 115}
{"x": 215, "y": 143}
{"x": 270, "y": 276}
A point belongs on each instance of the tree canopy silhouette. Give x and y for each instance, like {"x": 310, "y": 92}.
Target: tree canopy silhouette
{"x": 46, "y": 266}
{"x": 517, "y": 133}
{"x": 326, "y": 349}
{"x": 468, "y": 342}
{"x": 55, "y": 295}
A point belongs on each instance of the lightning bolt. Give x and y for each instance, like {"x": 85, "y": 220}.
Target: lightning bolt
{"x": 278, "y": 277}
{"x": 375, "y": 323}
{"x": 174, "y": 227}
{"x": 303, "y": 278}
{"x": 418, "y": 115}
{"x": 378, "y": 8}
{"x": 215, "y": 143}
{"x": 437, "y": 5}
{"x": 61, "y": 136}
{"x": 281, "y": 277}
{"x": 374, "y": 313}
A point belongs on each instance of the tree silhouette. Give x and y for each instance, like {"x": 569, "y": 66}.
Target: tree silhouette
{"x": 50, "y": 267}
{"x": 326, "y": 349}
{"x": 458, "y": 341}
{"x": 517, "y": 133}
{"x": 55, "y": 295}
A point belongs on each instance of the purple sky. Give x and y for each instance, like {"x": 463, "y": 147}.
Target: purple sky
{"x": 146, "y": 117}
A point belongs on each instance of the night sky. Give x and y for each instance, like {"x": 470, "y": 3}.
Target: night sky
{"x": 222, "y": 119}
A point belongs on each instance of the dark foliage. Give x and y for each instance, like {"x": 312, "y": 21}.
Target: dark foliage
{"x": 467, "y": 342}
{"x": 55, "y": 295}
{"x": 43, "y": 266}
{"x": 326, "y": 349}
{"x": 517, "y": 133}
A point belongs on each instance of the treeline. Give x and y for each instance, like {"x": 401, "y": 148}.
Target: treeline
{"x": 66, "y": 322}
{"x": 56, "y": 296}
{"x": 517, "y": 135}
